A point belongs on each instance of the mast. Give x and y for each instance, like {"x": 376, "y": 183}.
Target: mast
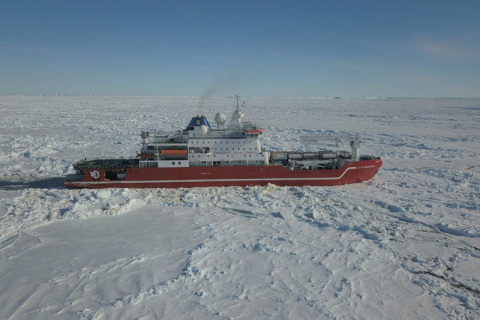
{"x": 237, "y": 116}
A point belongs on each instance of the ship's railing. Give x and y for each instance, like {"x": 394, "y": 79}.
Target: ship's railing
{"x": 105, "y": 166}
{"x": 234, "y": 165}
{"x": 229, "y": 136}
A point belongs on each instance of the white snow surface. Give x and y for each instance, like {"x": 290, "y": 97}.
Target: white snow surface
{"x": 405, "y": 245}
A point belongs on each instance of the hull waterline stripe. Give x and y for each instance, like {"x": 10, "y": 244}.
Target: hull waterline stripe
{"x": 209, "y": 180}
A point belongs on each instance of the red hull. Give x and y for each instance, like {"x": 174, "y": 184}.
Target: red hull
{"x": 188, "y": 177}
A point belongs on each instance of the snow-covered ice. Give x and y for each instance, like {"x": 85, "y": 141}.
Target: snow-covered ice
{"x": 405, "y": 245}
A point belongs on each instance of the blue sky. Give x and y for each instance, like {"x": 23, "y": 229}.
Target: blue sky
{"x": 251, "y": 48}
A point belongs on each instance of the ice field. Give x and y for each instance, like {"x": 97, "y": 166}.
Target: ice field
{"x": 405, "y": 245}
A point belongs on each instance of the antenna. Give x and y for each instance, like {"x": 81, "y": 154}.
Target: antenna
{"x": 237, "y": 116}
{"x": 238, "y": 103}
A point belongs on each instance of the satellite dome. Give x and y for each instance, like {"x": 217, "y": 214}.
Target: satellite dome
{"x": 220, "y": 118}
{"x": 203, "y": 129}
{"x": 200, "y": 130}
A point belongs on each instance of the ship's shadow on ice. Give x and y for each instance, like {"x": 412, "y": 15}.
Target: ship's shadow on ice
{"x": 47, "y": 183}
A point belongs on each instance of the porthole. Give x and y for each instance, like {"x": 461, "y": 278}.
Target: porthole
{"x": 173, "y": 162}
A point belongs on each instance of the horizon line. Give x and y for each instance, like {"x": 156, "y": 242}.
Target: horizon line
{"x": 227, "y": 97}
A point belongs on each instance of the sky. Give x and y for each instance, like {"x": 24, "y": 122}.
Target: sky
{"x": 259, "y": 48}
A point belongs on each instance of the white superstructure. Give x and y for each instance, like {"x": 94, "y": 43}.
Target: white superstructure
{"x": 201, "y": 145}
